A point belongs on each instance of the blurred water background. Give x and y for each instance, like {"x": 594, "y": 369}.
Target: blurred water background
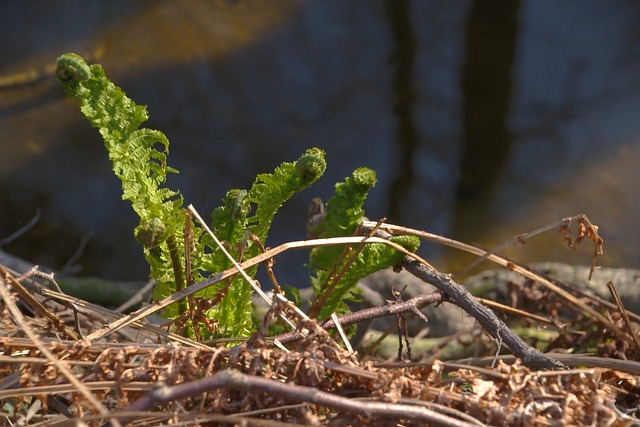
{"x": 483, "y": 119}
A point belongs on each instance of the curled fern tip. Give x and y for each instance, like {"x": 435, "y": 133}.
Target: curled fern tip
{"x": 72, "y": 68}
{"x": 151, "y": 233}
{"x": 364, "y": 177}
{"x": 311, "y": 165}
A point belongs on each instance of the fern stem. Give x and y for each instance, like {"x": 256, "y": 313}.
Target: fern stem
{"x": 174, "y": 253}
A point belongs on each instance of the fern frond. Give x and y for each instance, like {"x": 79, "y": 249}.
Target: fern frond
{"x": 229, "y": 224}
{"x": 334, "y": 277}
{"x": 343, "y": 213}
{"x": 139, "y": 158}
{"x": 270, "y": 191}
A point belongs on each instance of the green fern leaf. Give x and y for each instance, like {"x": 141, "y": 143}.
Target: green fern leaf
{"x": 343, "y": 213}
{"x": 268, "y": 193}
{"x": 139, "y": 160}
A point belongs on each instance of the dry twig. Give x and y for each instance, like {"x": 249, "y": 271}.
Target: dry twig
{"x": 233, "y": 379}
{"x": 413, "y": 305}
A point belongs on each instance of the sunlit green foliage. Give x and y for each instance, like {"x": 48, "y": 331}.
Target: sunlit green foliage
{"x": 139, "y": 158}
{"x": 333, "y": 283}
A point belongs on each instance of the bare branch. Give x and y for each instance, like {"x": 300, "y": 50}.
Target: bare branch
{"x": 484, "y": 315}
{"x": 22, "y": 230}
{"x": 412, "y": 305}
{"x": 236, "y": 380}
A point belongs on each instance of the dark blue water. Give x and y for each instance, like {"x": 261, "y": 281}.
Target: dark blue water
{"x": 481, "y": 123}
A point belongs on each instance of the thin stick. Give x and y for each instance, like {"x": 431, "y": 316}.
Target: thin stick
{"x": 329, "y": 284}
{"x": 563, "y": 224}
{"x": 516, "y": 311}
{"x": 244, "y": 274}
{"x": 335, "y": 276}
{"x": 623, "y": 312}
{"x": 344, "y": 337}
{"x": 520, "y": 238}
{"x": 138, "y": 297}
{"x": 268, "y": 266}
{"x": 412, "y": 305}
{"x": 291, "y": 306}
{"x": 70, "y": 267}
{"x": 571, "y": 360}
{"x": 22, "y": 230}
{"x": 188, "y": 241}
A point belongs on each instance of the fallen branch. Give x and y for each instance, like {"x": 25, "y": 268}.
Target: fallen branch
{"x": 413, "y": 305}
{"x": 390, "y": 229}
{"x": 233, "y": 379}
{"x": 495, "y": 327}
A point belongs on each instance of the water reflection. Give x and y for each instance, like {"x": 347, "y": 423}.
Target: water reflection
{"x": 487, "y": 84}
{"x": 480, "y": 123}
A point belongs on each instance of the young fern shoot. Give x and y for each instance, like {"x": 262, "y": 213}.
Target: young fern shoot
{"x": 334, "y": 276}
{"x": 233, "y": 221}
{"x": 139, "y": 158}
